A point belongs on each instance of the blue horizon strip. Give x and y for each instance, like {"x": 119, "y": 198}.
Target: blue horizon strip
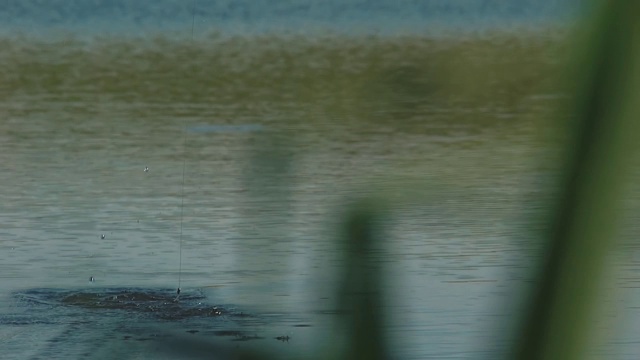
{"x": 225, "y": 129}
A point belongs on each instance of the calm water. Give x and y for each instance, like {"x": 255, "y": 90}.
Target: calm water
{"x": 275, "y": 135}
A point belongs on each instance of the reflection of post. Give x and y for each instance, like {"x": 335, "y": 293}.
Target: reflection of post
{"x": 598, "y": 159}
{"x": 361, "y": 287}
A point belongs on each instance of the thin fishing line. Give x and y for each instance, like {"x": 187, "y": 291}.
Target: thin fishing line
{"x": 184, "y": 164}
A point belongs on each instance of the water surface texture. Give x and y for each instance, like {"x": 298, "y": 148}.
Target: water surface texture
{"x": 275, "y": 133}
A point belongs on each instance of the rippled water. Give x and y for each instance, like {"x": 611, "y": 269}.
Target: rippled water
{"x": 275, "y": 136}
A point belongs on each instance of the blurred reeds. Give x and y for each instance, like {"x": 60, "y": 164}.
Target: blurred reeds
{"x": 602, "y": 142}
{"x": 336, "y": 73}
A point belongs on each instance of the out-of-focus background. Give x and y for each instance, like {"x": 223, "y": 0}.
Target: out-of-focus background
{"x": 281, "y": 113}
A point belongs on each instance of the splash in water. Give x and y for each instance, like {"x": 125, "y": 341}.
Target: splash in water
{"x": 160, "y": 303}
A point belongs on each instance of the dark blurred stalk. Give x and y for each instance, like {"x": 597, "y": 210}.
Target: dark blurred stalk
{"x": 361, "y": 286}
{"x": 603, "y": 137}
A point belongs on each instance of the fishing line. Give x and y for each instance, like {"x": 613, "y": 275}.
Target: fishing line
{"x": 184, "y": 166}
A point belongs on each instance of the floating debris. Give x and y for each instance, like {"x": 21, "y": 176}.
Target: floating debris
{"x": 283, "y": 338}
{"x": 92, "y": 279}
{"x": 146, "y": 169}
{"x": 103, "y": 236}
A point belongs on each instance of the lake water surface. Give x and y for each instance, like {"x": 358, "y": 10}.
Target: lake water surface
{"x": 254, "y": 146}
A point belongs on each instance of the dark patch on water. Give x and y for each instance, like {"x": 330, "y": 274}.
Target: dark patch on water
{"x": 283, "y": 338}
{"x": 228, "y": 333}
{"x": 161, "y": 303}
{"x": 120, "y": 321}
{"x": 248, "y": 338}
{"x": 237, "y": 335}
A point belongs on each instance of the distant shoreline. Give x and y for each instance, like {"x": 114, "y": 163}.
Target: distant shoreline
{"x": 433, "y": 31}
{"x": 303, "y": 17}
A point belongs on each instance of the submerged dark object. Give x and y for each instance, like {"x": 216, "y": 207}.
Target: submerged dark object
{"x": 283, "y": 338}
{"x": 160, "y": 303}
